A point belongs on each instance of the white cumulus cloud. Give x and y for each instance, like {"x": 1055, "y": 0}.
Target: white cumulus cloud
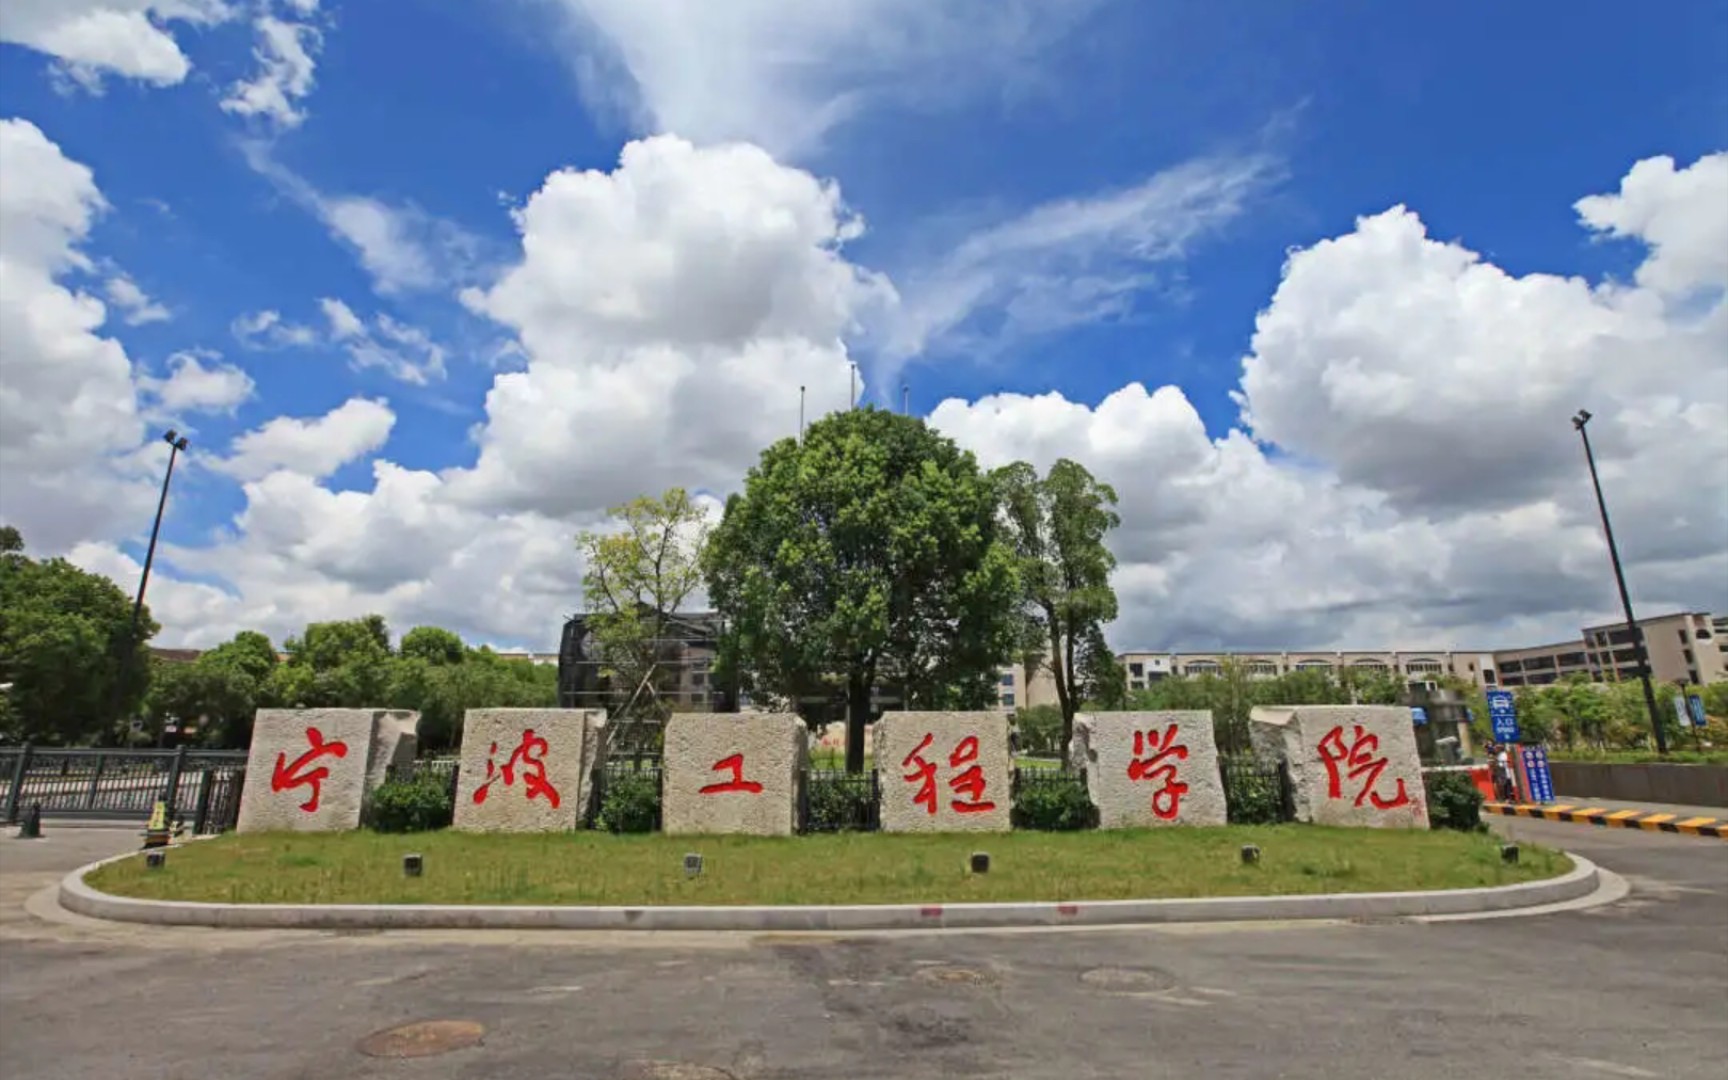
{"x": 311, "y": 447}
{"x": 93, "y": 38}
{"x": 191, "y": 386}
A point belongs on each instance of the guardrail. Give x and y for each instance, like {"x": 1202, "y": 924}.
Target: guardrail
{"x": 201, "y": 787}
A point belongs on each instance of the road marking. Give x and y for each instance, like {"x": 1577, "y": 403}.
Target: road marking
{"x": 1622, "y": 815}
{"x": 1656, "y": 819}
{"x": 1611, "y": 1068}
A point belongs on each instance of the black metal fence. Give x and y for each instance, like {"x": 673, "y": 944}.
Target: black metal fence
{"x": 833, "y": 800}
{"x": 1255, "y": 792}
{"x": 626, "y": 795}
{"x": 201, "y": 787}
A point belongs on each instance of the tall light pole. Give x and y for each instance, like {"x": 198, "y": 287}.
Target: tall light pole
{"x": 1643, "y": 655}
{"x": 176, "y": 443}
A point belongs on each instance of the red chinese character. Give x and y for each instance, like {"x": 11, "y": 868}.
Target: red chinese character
{"x": 289, "y": 776}
{"x": 531, "y": 757}
{"x": 1167, "y": 800}
{"x": 735, "y": 766}
{"x": 970, "y": 782}
{"x": 924, "y": 775}
{"x": 1359, "y": 757}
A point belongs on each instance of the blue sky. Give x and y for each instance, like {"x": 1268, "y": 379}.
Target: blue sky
{"x": 1488, "y": 120}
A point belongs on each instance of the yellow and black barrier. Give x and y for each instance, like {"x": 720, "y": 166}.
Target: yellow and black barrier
{"x": 1648, "y": 820}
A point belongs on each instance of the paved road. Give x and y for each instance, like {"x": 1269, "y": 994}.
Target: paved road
{"x": 1634, "y": 989}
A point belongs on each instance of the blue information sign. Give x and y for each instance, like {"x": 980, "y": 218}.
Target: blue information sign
{"x": 1503, "y": 715}
{"x": 1695, "y": 706}
{"x": 1536, "y": 772}
{"x": 1418, "y": 715}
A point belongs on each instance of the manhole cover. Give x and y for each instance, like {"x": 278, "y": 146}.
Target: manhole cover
{"x": 672, "y": 1070}
{"x": 1128, "y": 980}
{"x": 952, "y": 976}
{"x": 425, "y": 1039}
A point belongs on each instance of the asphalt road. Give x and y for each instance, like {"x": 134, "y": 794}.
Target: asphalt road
{"x": 1638, "y": 988}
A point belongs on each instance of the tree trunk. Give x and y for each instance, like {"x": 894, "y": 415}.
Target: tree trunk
{"x": 857, "y": 715}
{"x": 1064, "y": 689}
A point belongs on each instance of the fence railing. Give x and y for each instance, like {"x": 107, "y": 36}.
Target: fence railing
{"x": 1255, "y": 792}
{"x": 625, "y": 795}
{"x": 833, "y": 800}
{"x": 201, "y": 787}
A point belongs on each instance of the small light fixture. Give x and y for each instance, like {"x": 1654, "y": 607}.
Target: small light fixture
{"x": 1509, "y": 854}
{"x": 692, "y": 864}
{"x": 156, "y": 859}
{"x": 413, "y": 865}
{"x": 980, "y": 862}
{"x": 1250, "y": 854}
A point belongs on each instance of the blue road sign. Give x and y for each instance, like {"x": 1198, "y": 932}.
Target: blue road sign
{"x": 1503, "y": 715}
{"x": 1418, "y": 715}
{"x": 1536, "y": 772}
{"x": 1695, "y": 706}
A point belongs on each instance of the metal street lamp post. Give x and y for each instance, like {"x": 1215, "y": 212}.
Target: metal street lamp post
{"x": 1632, "y": 627}
{"x": 176, "y": 443}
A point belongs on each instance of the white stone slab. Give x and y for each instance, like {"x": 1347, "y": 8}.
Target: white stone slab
{"x": 525, "y": 770}
{"x": 312, "y": 770}
{"x": 1349, "y": 764}
{"x": 732, "y": 773}
{"x": 944, "y": 771}
{"x": 1150, "y": 768}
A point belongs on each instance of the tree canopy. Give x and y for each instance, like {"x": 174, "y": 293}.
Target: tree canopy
{"x": 62, "y": 634}
{"x": 635, "y": 578}
{"x": 871, "y": 553}
{"x": 1057, "y": 527}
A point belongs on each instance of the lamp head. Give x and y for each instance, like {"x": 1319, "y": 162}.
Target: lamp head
{"x": 1581, "y": 419}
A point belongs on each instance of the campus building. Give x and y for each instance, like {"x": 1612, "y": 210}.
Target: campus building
{"x": 1686, "y": 647}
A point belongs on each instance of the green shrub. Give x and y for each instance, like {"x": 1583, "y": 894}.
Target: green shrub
{"x": 630, "y": 803}
{"x": 403, "y": 806}
{"x": 836, "y": 804}
{"x": 1453, "y": 801}
{"x": 1054, "y": 802}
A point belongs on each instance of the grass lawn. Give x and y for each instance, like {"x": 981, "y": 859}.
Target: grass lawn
{"x": 852, "y": 868}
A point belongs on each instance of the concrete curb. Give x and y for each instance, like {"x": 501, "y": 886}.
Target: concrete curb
{"x": 79, "y": 897}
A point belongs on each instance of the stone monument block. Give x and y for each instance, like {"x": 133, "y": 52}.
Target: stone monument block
{"x": 312, "y": 770}
{"x": 525, "y": 770}
{"x": 944, "y": 771}
{"x": 1150, "y": 768}
{"x": 732, "y": 773}
{"x": 1349, "y": 764}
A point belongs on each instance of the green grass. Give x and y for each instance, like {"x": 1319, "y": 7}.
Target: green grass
{"x": 857, "y": 868}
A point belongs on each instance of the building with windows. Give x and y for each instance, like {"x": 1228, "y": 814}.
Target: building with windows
{"x": 1146, "y": 668}
{"x": 1687, "y": 647}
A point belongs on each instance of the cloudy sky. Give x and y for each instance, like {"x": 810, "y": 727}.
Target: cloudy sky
{"x": 431, "y": 283}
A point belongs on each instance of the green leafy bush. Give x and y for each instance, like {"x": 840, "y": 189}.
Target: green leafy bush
{"x": 838, "y": 803}
{"x": 1453, "y": 801}
{"x": 630, "y": 803}
{"x": 404, "y": 806}
{"x": 1054, "y": 802}
{"x": 1252, "y": 796}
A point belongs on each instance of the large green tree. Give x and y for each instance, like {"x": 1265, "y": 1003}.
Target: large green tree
{"x": 1057, "y": 526}
{"x": 869, "y": 553}
{"x": 345, "y": 664}
{"x": 442, "y": 686}
{"x": 635, "y": 578}
{"x": 63, "y": 632}
{"x": 224, "y": 687}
